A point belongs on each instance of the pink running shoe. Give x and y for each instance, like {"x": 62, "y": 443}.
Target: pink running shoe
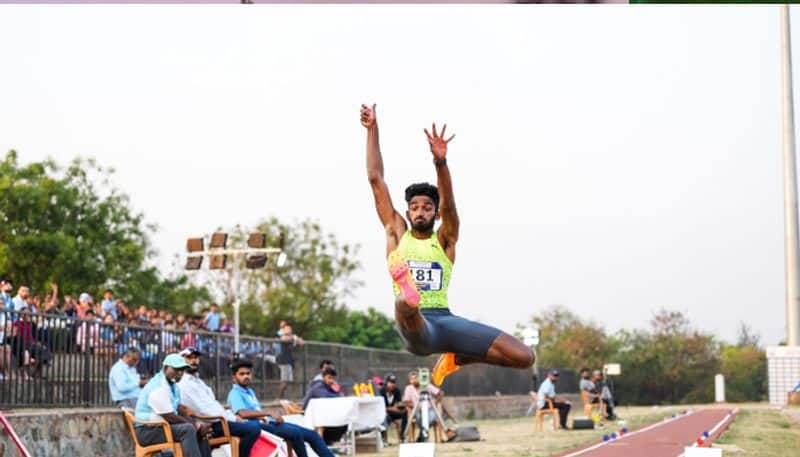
{"x": 401, "y": 275}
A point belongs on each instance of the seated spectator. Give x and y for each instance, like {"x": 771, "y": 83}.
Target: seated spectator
{"x": 588, "y": 391}
{"x": 124, "y": 382}
{"x": 199, "y": 397}
{"x": 160, "y": 399}
{"x": 547, "y": 391}
{"x": 325, "y": 363}
{"x": 603, "y": 391}
{"x": 395, "y": 408}
{"x": 245, "y": 404}
{"x": 411, "y": 399}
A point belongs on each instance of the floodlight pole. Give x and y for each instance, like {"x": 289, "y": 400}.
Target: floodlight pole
{"x": 791, "y": 253}
{"x": 236, "y": 304}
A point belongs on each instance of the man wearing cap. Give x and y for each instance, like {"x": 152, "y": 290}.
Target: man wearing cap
{"x": 160, "y": 399}
{"x": 124, "y": 382}
{"x": 547, "y": 391}
{"x": 197, "y": 396}
{"x": 395, "y": 408}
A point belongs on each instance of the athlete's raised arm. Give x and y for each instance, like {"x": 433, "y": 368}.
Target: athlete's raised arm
{"x": 393, "y": 222}
{"x": 448, "y": 231}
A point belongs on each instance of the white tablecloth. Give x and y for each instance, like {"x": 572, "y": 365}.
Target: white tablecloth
{"x": 357, "y": 412}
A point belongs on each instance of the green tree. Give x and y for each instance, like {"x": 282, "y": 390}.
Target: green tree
{"x": 309, "y": 291}
{"x": 745, "y": 368}
{"x": 370, "y": 329}
{"x": 566, "y": 341}
{"x": 71, "y": 226}
{"x": 670, "y": 364}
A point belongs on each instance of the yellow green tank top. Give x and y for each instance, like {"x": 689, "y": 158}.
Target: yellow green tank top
{"x": 430, "y": 267}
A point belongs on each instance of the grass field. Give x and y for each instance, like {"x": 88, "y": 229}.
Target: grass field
{"x": 761, "y": 433}
{"x": 757, "y": 432}
{"x": 517, "y": 438}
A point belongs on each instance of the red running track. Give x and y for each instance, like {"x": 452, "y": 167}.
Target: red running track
{"x": 662, "y": 439}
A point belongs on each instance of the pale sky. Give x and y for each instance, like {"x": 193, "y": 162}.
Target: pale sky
{"x": 611, "y": 159}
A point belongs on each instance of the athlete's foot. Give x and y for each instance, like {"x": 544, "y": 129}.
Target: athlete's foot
{"x": 445, "y": 366}
{"x": 401, "y": 275}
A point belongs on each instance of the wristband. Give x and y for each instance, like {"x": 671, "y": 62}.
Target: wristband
{"x": 440, "y": 162}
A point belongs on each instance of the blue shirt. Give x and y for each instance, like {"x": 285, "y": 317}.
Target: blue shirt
{"x": 157, "y": 397}
{"x": 240, "y": 398}
{"x": 110, "y": 307}
{"x": 123, "y": 381}
{"x": 546, "y": 390}
{"x": 212, "y": 321}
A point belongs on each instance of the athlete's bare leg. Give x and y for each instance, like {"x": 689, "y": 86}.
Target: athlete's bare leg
{"x": 505, "y": 351}
{"x": 408, "y": 317}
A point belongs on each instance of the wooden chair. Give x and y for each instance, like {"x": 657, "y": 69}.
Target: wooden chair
{"x": 226, "y": 437}
{"x": 540, "y": 413}
{"x": 152, "y": 449}
{"x": 588, "y": 406}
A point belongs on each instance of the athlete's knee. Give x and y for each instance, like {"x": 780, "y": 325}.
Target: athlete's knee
{"x": 526, "y": 358}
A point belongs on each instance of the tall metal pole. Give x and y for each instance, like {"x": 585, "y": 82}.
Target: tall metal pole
{"x": 792, "y": 255}
{"x": 236, "y": 305}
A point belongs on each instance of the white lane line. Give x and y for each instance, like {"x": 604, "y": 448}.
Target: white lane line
{"x": 714, "y": 429}
{"x": 649, "y": 427}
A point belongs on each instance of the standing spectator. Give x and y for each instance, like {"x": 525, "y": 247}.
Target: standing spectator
{"x": 33, "y": 356}
{"x": 227, "y": 326}
{"x": 285, "y": 360}
{"x": 190, "y": 338}
{"x": 124, "y": 382}
{"x": 109, "y": 305}
{"x": 160, "y": 399}
{"x": 84, "y": 304}
{"x": 122, "y": 310}
{"x": 547, "y": 391}
{"x": 198, "y": 397}
{"x": 21, "y": 299}
{"x": 211, "y": 321}
{"x": 88, "y": 335}
{"x": 395, "y": 408}
{"x": 69, "y": 308}
{"x": 6, "y": 286}
{"x": 281, "y": 325}
{"x": 245, "y": 404}
{"x": 180, "y": 322}
{"x": 5, "y": 349}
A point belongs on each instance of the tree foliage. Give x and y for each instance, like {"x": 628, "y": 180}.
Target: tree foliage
{"x": 309, "y": 291}
{"x": 669, "y": 362}
{"x": 71, "y": 226}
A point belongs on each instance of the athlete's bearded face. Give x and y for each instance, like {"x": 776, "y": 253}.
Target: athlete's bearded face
{"x": 421, "y": 213}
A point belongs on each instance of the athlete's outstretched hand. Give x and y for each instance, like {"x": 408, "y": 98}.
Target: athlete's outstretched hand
{"x": 437, "y": 142}
{"x": 368, "y": 116}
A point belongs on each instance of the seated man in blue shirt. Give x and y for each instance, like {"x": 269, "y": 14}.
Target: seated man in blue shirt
{"x": 547, "y": 391}
{"x": 124, "y": 382}
{"x": 159, "y": 399}
{"x": 197, "y": 396}
{"x": 244, "y": 404}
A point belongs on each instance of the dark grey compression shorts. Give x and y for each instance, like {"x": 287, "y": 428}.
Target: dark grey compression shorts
{"x": 446, "y": 332}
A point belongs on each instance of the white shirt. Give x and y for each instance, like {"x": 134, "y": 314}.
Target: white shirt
{"x": 196, "y": 395}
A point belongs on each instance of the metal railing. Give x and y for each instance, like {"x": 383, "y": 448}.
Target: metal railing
{"x": 58, "y": 361}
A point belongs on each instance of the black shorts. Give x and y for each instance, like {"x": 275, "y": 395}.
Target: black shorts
{"x": 446, "y": 332}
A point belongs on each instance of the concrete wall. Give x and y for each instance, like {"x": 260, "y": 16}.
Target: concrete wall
{"x": 102, "y": 432}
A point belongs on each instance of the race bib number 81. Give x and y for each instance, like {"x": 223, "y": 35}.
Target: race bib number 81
{"x": 427, "y": 275}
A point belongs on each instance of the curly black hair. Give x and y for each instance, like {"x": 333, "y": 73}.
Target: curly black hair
{"x": 423, "y": 188}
